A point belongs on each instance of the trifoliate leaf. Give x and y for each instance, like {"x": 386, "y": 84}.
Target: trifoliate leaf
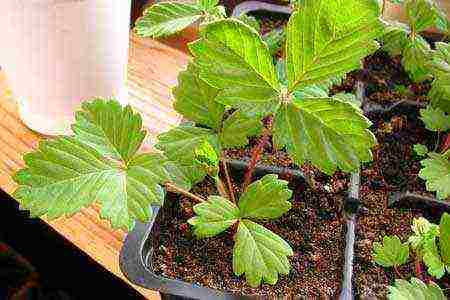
{"x": 166, "y": 18}
{"x": 180, "y": 143}
{"x": 436, "y": 173}
{"x": 245, "y": 74}
{"x": 422, "y": 14}
{"x": 237, "y": 128}
{"x": 420, "y": 150}
{"x": 266, "y": 198}
{"x": 440, "y": 93}
{"x": 415, "y": 290}
{"x": 395, "y": 38}
{"x": 194, "y": 99}
{"x": 65, "y": 175}
{"x": 112, "y": 130}
{"x": 213, "y": 216}
{"x": 391, "y": 253}
{"x": 415, "y": 56}
{"x": 260, "y": 254}
{"x": 327, "y": 132}
{"x": 440, "y": 63}
{"x": 435, "y": 119}
{"x": 329, "y": 37}
{"x": 444, "y": 239}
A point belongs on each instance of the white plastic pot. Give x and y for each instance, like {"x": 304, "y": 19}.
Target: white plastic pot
{"x": 59, "y": 53}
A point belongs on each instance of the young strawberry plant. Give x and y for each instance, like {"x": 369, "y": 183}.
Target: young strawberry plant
{"x": 404, "y": 39}
{"x": 231, "y": 91}
{"x": 430, "y": 244}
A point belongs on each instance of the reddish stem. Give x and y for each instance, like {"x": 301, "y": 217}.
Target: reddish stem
{"x": 229, "y": 181}
{"x": 418, "y": 268}
{"x": 398, "y": 272}
{"x": 256, "y": 156}
{"x": 446, "y": 144}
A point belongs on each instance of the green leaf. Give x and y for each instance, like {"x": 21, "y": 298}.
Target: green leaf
{"x": 441, "y": 59}
{"x": 213, "y": 216}
{"x": 237, "y": 128}
{"x": 327, "y": 132}
{"x": 329, "y": 37}
{"x": 245, "y": 75}
{"x": 415, "y": 56}
{"x": 181, "y": 143}
{"x": 444, "y": 239}
{"x": 265, "y": 199}
{"x": 207, "y": 4}
{"x": 415, "y": 290}
{"x": 65, "y": 175}
{"x": 260, "y": 254}
{"x": 420, "y": 150}
{"x": 275, "y": 39}
{"x": 194, "y": 99}
{"x": 435, "y": 119}
{"x": 349, "y": 98}
{"x": 436, "y": 172}
{"x": 422, "y": 14}
{"x": 391, "y": 253}
{"x": 250, "y": 21}
{"x": 440, "y": 93}
{"x": 423, "y": 230}
{"x": 423, "y": 241}
{"x": 112, "y": 130}
{"x": 395, "y": 38}
{"x": 206, "y": 154}
{"x": 166, "y": 18}
{"x": 432, "y": 259}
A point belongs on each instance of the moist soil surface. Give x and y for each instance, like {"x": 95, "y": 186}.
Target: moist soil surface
{"x": 314, "y": 227}
{"x": 395, "y": 169}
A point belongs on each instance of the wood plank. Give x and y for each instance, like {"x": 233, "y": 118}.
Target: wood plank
{"x": 153, "y": 69}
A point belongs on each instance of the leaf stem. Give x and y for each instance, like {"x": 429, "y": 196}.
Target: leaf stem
{"x": 398, "y": 272}
{"x": 229, "y": 182}
{"x": 418, "y": 268}
{"x": 446, "y": 144}
{"x": 173, "y": 188}
{"x": 256, "y": 155}
{"x": 221, "y": 188}
{"x": 436, "y": 146}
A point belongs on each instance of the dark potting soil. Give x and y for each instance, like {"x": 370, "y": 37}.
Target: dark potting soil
{"x": 395, "y": 168}
{"x": 314, "y": 227}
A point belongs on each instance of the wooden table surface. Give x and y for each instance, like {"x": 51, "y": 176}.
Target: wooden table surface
{"x": 152, "y": 71}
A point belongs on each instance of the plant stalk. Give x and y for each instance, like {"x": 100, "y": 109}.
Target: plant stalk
{"x": 257, "y": 152}
{"x": 418, "y": 268}
{"x": 229, "y": 182}
{"x": 383, "y": 8}
{"x": 446, "y": 145}
{"x": 398, "y": 272}
{"x": 221, "y": 188}
{"x": 436, "y": 146}
{"x": 173, "y": 188}
{"x": 256, "y": 157}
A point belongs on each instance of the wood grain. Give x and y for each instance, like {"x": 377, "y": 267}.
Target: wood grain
{"x": 152, "y": 71}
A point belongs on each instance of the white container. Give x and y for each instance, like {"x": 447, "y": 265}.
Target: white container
{"x": 59, "y": 53}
